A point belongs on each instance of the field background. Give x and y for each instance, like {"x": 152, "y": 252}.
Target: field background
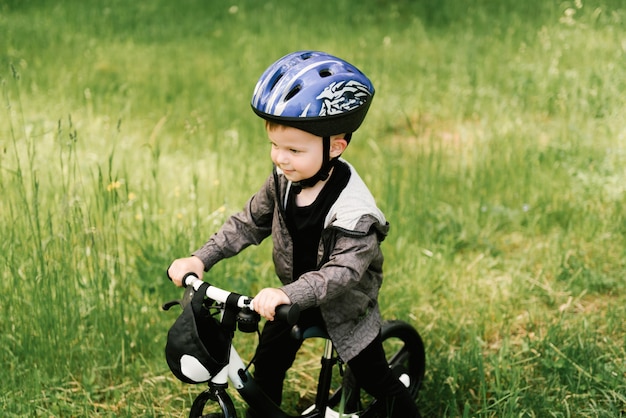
{"x": 495, "y": 145}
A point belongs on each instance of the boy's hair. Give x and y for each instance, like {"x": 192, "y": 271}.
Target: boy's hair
{"x": 273, "y": 126}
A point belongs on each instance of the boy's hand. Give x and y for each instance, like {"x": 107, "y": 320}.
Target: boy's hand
{"x": 267, "y": 300}
{"x": 180, "y": 267}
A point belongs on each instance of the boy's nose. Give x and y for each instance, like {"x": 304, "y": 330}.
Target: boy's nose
{"x": 282, "y": 157}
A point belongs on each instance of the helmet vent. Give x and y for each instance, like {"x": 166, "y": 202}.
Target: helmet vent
{"x": 277, "y": 78}
{"x": 325, "y": 73}
{"x": 293, "y": 92}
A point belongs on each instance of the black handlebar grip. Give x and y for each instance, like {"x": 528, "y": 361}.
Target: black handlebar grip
{"x": 288, "y": 313}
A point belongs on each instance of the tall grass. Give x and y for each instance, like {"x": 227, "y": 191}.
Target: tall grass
{"x": 495, "y": 146}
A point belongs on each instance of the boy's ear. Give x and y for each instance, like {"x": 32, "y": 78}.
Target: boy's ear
{"x": 337, "y": 146}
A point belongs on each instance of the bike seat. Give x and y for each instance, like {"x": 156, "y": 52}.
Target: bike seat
{"x": 311, "y": 332}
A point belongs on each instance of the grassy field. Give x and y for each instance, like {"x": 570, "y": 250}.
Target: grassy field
{"x": 495, "y": 146}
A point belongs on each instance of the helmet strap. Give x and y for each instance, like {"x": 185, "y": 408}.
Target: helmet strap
{"x": 323, "y": 172}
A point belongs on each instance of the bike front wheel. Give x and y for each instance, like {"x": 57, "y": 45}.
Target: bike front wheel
{"x": 406, "y": 357}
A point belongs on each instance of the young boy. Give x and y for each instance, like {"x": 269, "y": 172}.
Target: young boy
{"x": 325, "y": 226}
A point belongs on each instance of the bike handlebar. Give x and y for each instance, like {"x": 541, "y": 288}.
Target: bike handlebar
{"x": 285, "y": 313}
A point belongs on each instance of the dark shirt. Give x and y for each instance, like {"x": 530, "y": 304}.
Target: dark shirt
{"x": 305, "y": 223}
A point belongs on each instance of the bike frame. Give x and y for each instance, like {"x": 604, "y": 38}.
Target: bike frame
{"x": 236, "y": 371}
{"x": 244, "y": 383}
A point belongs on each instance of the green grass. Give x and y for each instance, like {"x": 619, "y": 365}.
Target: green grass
{"x": 495, "y": 146}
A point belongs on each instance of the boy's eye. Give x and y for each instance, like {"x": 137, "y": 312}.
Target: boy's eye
{"x": 291, "y": 150}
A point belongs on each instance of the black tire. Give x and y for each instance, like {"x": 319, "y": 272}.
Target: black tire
{"x": 405, "y": 353}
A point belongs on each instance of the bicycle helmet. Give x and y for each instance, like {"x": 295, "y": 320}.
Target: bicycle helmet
{"x": 317, "y": 93}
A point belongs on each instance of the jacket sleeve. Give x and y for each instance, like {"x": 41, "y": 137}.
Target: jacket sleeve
{"x": 345, "y": 271}
{"x": 248, "y": 227}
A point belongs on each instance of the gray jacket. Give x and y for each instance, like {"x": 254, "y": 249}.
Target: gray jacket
{"x": 346, "y": 285}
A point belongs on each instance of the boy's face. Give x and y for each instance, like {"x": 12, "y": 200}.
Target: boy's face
{"x": 297, "y": 153}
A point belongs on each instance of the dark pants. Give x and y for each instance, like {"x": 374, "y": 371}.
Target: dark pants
{"x": 277, "y": 351}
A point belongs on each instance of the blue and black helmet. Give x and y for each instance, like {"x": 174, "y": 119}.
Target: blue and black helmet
{"x": 315, "y": 92}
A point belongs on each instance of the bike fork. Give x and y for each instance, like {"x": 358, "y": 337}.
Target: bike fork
{"x": 216, "y": 393}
